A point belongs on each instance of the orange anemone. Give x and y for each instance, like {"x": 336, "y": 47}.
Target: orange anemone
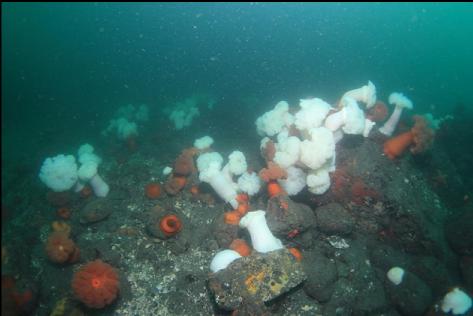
{"x": 395, "y": 146}
{"x": 86, "y": 192}
{"x": 296, "y": 253}
{"x": 232, "y": 218}
{"x": 194, "y": 189}
{"x": 153, "y": 190}
{"x": 274, "y": 189}
{"x": 64, "y": 212}
{"x": 241, "y": 246}
{"x": 242, "y": 208}
{"x": 419, "y": 139}
{"x": 170, "y": 225}
{"x": 61, "y": 227}
{"x": 242, "y": 198}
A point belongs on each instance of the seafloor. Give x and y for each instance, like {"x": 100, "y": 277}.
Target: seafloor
{"x": 413, "y": 212}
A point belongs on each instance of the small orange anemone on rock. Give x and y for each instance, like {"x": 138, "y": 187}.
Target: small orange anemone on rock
{"x": 241, "y": 246}
{"x": 175, "y": 184}
{"x": 274, "y": 189}
{"x": 153, "y": 190}
{"x": 296, "y": 253}
{"x": 61, "y": 249}
{"x": 61, "y": 227}
{"x": 232, "y": 218}
{"x": 86, "y": 192}
{"x": 64, "y": 212}
{"x": 170, "y": 225}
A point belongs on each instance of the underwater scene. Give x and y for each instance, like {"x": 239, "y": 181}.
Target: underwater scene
{"x": 237, "y": 159}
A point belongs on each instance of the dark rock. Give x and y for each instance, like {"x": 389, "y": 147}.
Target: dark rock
{"x": 96, "y": 211}
{"x": 371, "y": 299}
{"x": 459, "y": 233}
{"x": 434, "y": 273}
{"x": 466, "y": 268}
{"x": 321, "y": 275}
{"x": 59, "y": 199}
{"x": 411, "y": 297}
{"x": 286, "y": 218}
{"x": 256, "y": 279}
{"x": 342, "y": 299}
{"x": 386, "y": 257}
{"x": 224, "y": 233}
{"x": 333, "y": 219}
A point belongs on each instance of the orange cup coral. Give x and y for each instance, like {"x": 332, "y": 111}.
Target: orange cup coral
{"x": 170, "y": 225}
{"x": 96, "y": 284}
{"x": 153, "y": 190}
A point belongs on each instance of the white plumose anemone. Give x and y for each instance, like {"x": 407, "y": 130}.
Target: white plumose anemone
{"x": 351, "y": 119}
{"x": 312, "y": 113}
{"x": 262, "y": 238}
{"x": 222, "y": 259}
{"x": 369, "y": 124}
{"x": 395, "y": 275}
{"x": 457, "y": 302}
{"x": 88, "y": 171}
{"x": 167, "y": 171}
{"x": 401, "y": 102}
{"x": 220, "y": 182}
{"x": 203, "y": 142}
{"x": 59, "y": 173}
{"x": 249, "y": 183}
{"x": 318, "y": 181}
{"x": 365, "y": 94}
{"x": 287, "y": 151}
{"x": 272, "y": 122}
{"x": 237, "y": 163}
{"x": 295, "y": 181}
{"x": 319, "y": 150}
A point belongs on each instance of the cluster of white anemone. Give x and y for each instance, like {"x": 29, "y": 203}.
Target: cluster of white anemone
{"x": 222, "y": 177}
{"x": 61, "y": 173}
{"x": 124, "y": 122}
{"x": 310, "y": 157}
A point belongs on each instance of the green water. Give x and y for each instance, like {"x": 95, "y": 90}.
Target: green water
{"x": 67, "y": 67}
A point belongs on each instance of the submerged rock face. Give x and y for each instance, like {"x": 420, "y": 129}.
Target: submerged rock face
{"x": 287, "y": 218}
{"x": 256, "y": 279}
{"x": 95, "y": 211}
{"x": 460, "y": 233}
{"x": 412, "y": 296}
{"x": 321, "y": 275}
{"x": 333, "y": 219}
